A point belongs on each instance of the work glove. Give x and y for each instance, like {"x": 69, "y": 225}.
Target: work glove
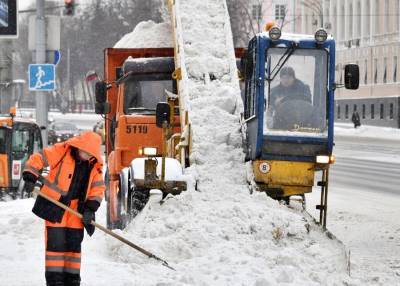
{"x": 87, "y": 217}
{"x": 29, "y": 187}
{"x": 30, "y": 181}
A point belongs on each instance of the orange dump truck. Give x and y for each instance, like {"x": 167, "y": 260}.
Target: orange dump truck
{"x": 144, "y": 146}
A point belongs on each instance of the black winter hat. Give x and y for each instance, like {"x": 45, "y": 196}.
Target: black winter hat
{"x": 287, "y": 71}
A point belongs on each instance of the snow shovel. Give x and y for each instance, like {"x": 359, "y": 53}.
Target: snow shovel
{"x": 104, "y": 229}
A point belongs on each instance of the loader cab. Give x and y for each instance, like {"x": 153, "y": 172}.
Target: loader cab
{"x": 289, "y": 108}
{"x": 19, "y": 139}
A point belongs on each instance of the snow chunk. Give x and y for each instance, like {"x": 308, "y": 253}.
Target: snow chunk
{"x": 148, "y": 34}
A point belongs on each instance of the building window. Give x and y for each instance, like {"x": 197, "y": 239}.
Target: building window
{"x": 396, "y": 16}
{"x": 372, "y": 111}
{"x": 375, "y": 71}
{"x": 358, "y": 28}
{"x": 354, "y": 107}
{"x": 367, "y": 14}
{"x": 366, "y": 72}
{"x": 256, "y": 12}
{"x": 381, "y": 113}
{"x": 338, "y": 112}
{"x": 280, "y": 12}
{"x": 350, "y": 31}
{"x": 395, "y": 69}
{"x": 343, "y": 21}
{"x": 391, "y": 111}
{"x": 346, "y": 111}
{"x": 385, "y": 70}
{"x": 386, "y": 28}
{"x": 377, "y": 17}
{"x": 363, "y": 111}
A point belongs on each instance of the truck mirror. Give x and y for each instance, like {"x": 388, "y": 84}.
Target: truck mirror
{"x": 101, "y": 91}
{"x": 102, "y": 108}
{"x": 351, "y": 76}
{"x": 163, "y": 113}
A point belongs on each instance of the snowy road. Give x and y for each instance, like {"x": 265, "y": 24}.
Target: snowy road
{"x": 368, "y": 164}
{"x": 364, "y": 203}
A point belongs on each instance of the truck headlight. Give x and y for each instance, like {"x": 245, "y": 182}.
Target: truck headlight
{"x": 322, "y": 159}
{"x": 150, "y": 151}
{"x": 320, "y": 36}
{"x": 275, "y": 33}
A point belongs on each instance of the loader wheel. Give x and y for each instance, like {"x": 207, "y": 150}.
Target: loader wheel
{"x": 137, "y": 200}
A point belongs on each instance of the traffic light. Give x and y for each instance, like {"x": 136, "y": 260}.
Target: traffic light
{"x": 69, "y": 7}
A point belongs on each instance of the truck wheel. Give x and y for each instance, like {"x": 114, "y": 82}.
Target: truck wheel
{"x": 137, "y": 200}
{"x": 116, "y": 223}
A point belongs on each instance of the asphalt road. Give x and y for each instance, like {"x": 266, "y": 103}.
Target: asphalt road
{"x": 368, "y": 164}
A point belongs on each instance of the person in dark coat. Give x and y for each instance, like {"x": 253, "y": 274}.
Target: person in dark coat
{"x": 289, "y": 88}
{"x": 290, "y": 101}
{"x": 355, "y": 118}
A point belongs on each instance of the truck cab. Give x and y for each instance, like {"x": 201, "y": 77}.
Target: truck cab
{"x": 136, "y": 81}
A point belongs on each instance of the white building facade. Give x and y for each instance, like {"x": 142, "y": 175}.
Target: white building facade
{"x": 293, "y": 16}
{"x": 368, "y": 34}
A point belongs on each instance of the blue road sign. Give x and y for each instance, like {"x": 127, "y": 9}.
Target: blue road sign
{"x": 42, "y": 77}
{"x": 57, "y": 57}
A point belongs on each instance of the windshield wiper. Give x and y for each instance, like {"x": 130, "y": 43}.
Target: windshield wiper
{"x": 282, "y": 61}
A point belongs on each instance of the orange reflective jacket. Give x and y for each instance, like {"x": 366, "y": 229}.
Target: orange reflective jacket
{"x": 61, "y": 163}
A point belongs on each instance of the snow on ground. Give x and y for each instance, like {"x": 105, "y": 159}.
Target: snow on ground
{"x": 363, "y": 201}
{"x": 220, "y": 234}
{"x": 217, "y": 235}
{"x": 367, "y": 223}
{"x": 368, "y": 142}
{"x": 347, "y": 129}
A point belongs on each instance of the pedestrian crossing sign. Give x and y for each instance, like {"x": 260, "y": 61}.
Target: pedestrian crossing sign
{"x": 42, "y": 77}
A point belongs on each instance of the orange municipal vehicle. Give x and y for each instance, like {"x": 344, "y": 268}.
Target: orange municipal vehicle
{"x": 19, "y": 138}
{"x": 145, "y": 145}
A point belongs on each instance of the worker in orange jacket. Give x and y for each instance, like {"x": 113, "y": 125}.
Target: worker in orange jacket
{"x": 75, "y": 179}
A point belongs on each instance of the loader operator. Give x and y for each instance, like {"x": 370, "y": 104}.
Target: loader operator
{"x": 290, "y": 101}
{"x": 75, "y": 179}
{"x": 289, "y": 88}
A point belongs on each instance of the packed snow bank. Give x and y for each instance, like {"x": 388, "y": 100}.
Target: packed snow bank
{"x": 346, "y": 129}
{"x": 159, "y": 35}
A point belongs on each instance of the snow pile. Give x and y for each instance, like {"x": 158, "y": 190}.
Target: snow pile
{"x": 346, "y": 129}
{"x": 159, "y": 35}
{"x": 220, "y": 234}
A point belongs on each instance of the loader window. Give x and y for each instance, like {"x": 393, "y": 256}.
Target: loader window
{"x": 20, "y": 144}
{"x": 3, "y": 134}
{"x": 251, "y": 82}
{"x": 142, "y": 96}
{"x": 297, "y": 97}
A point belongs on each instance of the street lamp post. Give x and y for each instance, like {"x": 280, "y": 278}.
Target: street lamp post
{"x": 41, "y": 96}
